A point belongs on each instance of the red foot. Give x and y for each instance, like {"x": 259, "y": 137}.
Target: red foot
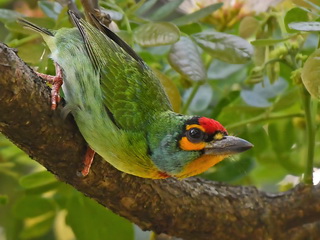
{"x": 88, "y": 159}
{"x": 56, "y": 82}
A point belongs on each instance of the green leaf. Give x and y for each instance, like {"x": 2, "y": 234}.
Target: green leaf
{"x": 37, "y": 179}
{"x": 223, "y": 102}
{"x": 248, "y": 27}
{"x": 310, "y": 74}
{"x": 184, "y": 57}
{"x": 309, "y": 4}
{"x": 273, "y": 71}
{"x": 259, "y": 138}
{"x": 51, "y": 9}
{"x": 89, "y": 220}
{"x": 267, "y": 42}
{"x": 9, "y": 15}
{"x": 195, "y": 16}
{"x": 305, "y": 26}
{"x": 282, "y": 136}
{"x": 191, "y": 28}
{"x": 30, "y": 52}
{"x": 254, "y": 99}
{"x": 145, "y": 7}
{"x": 37, "y": 229}
{"x": 201, "y": 100}
{"x": 3, "y": 199}
{"x": 225, "y": 47}
{"x": 230, "y": 170}
{"x": 33, "y": 206}
{"x": 295, "y": 15}
{"x": 165, "y": 10}
{"x": 288, "y": 99}
{"x": 261, "y": 94}
{"x": 171, "y": 90}
{"x": 19, "y": 28}
{"x": 156, "y": 34}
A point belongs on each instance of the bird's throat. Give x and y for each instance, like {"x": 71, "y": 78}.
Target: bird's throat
{"x": 200, "y": 165}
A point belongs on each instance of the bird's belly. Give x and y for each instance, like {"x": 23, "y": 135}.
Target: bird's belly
{"x": 124, "y": 150}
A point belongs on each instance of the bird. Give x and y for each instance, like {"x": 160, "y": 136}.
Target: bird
{"x": 122, "y": 110}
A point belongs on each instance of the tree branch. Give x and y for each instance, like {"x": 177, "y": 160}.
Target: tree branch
{"x": 192, "y": 209}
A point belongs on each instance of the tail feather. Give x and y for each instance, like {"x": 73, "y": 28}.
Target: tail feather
{"x": 34, "y": 27}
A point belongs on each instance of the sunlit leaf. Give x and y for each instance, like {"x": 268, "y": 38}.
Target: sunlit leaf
{"x": 165, "y": 10}
{"x": 248, "y": 27}
{"x": 31, "y": 52}
{"x": 155, "y": 34}
{"x": 311, "y": 74}
{"x": 305, "y": 26}
{"x": 37, "y": 228}
{"x": 225, "y": 47}
{"x": 267, "y": 42}
{"x": 294, "y": 15}
{"x": 37, "y": 179}
{"x": 89, "y": 220}
{"x": 33, "y": 206}
{"x": 184, "y": 57}
{"x": 171, "y": 90}
{"x": 195, "y": 16}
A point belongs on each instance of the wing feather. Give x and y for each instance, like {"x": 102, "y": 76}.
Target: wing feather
{"x": 132, "y": 94}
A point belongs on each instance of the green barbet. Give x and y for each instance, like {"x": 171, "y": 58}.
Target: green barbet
{"x": 122, "y": 110}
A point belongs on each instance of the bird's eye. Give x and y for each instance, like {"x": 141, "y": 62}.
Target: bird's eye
{"x": 195, "y": 135}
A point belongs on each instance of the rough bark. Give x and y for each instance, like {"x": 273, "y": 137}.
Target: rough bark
{"x": 191, "y": 209}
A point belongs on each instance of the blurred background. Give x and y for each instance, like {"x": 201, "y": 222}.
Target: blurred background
{"x": 239, "y": 62}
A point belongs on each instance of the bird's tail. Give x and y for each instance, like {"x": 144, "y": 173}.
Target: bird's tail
{"x": 34, "y": 27}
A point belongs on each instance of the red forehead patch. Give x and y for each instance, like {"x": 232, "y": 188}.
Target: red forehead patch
{"x": 211, "y": 125}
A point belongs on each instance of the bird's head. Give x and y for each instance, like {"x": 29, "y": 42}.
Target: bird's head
{"x": 189, "y": 145}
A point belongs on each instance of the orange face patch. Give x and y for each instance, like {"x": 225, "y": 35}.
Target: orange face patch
{"x": 185, "y": 144}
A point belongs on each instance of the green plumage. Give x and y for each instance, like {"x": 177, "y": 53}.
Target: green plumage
{"x": 119, "y": 105}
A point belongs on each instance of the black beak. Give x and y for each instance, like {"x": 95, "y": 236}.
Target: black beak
{"x": 229, "y": 145}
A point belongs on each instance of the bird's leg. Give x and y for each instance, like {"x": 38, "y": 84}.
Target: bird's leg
{"x": 88, "y": 159}
{"x": 56, "y": 82}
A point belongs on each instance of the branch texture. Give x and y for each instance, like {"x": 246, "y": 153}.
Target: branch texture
{"x": 190, "y": 209}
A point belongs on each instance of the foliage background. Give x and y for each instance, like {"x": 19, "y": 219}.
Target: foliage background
{"x": 257, "y": 95}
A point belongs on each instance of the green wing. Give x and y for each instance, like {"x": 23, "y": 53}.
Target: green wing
{"x": 132, "y": 94}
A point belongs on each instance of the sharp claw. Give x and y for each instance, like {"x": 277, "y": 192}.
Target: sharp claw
{"x": 56, "y": 82}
